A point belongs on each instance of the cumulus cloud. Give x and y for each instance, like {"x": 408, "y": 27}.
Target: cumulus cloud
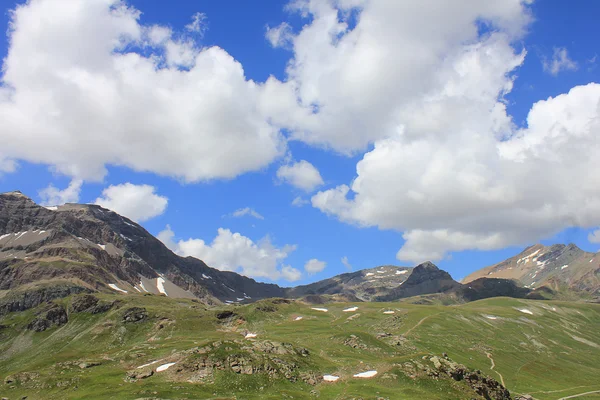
{"x": 358, "y": 64}
{"x": 52, "y": 196}
{"x": 246, "y": 211}
{"x": 137, "y": 202}
{"x": 448, "y": 167}
{"x": 85, "y": 85}
{"x": 313, "y": 266}
{"x": 594, "y": 237}
{"x": 280, "y": 36}
{"x": 231, "y": 251}
{"x": 560, "y": 62}
{"x": 346, "y": 263}
{"x": 302, "y": 175}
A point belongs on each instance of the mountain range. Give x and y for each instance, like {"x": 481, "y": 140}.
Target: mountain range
{"x": 52, "y": 252}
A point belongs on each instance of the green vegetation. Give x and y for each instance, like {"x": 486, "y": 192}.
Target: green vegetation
{"x": 552, "y": 353}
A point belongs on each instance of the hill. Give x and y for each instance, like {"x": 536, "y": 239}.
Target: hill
{"x": 143, "y": 346}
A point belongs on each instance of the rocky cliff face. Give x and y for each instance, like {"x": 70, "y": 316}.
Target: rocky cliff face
{"x": 92, "y": 248}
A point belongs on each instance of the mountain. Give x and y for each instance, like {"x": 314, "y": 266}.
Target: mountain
{"x": 49, "y": 252}
{"x": 558, "y": 267}
{"x": 425, "y": 278}
{"x": 364, "y": 285}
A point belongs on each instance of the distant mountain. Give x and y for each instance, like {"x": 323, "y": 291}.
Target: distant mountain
{"x": 558, "y": 267}
{"x": 425, "y": 278}
{"x": 364, "y": 285}
{"x": 48, "y": 252}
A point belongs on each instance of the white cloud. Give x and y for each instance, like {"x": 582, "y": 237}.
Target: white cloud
{"x": 346, "y": 263}
{"x": 7, "y": 165}
{"x": 280, "y": 36}
{"x": 290, "y": 274}
{"x": 300, "y": 202}
{"x": 560, "y": 62}
{"x": 313, "y": 266}
{"x": 302, "y": 175}
{"x": 354, "y": 81}
{"x": 137, "y": 202}
{"x": 461, "y": 188}
{"x": 77, "y": 96}
{"x": 199, "y": 24}
{"x": 52, "y": 196}
{"x": 594, "y": 237}
{"x": 234, "y": 252}
{"x": 246, "y": 211}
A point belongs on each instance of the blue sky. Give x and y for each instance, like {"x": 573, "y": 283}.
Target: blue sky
{"x": 199, "y": 205}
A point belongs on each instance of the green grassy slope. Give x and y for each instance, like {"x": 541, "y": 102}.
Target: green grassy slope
{"x": 552, "y": 353}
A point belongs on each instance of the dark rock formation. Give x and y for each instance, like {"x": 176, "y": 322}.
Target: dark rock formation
{"x": 135, "y": 314}
{"x": 56, "y": 315}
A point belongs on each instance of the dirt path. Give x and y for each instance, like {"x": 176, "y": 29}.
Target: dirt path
{"x": 494, "y": 366}
{"x": 418, "y": 324}
{"x": 579, "y": 395}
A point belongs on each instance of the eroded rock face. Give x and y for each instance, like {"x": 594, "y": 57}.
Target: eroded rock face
{"x": 90, "y": 304}
{"x": 55, "y": 316}
{"x": 135, "y": 314}
{"x": 24, "y": 300}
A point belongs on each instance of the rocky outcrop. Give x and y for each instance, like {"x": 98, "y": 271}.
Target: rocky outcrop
{"x": 91, "y": 304}
{"x": 56, "y": 315}
{"x": 135, "y": 314}
{"x": 444, "y": 368}
{"x": 26, "y": 299}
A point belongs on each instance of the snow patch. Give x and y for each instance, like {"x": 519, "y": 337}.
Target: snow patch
{"x": 319, "y": 309}
{"x": 149, "y": 364}
{"x": 491, "y": 317}
{"x": 51, "y": 208}
{"x": 164, "y": 367}
{"x": 127, "y": 223}
{"x": 351, "y": 309}
{"x": 115, "y": 287}
{"x": 381, "y": 272}
{"x": 298, "y": 318}
{"x": 529, "y": 256}
{"x": 206, "y": 276}
{"x": 330, "y": 378}
{"x": 401, "y": 272}
{"x": 369, "y": 274}
{"x": 160, "y": 285}
{"x": 143, "y": 287}
{"x": 366, "y": 374}
{"x": 389, "y": 312}
{"x": 8, "y": 234}
{"x": 250, "y": 335}
{"x": 564, "y": 266}
{"x": 102, "y": 246}
{"x": 525, "y": 311}
{"x": 125, "y": 237}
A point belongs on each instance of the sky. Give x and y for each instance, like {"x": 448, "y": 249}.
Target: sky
{"x": 292, "y": 141}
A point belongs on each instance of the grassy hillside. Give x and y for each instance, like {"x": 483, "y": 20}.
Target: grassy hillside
{"x": 547, "y": 349}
